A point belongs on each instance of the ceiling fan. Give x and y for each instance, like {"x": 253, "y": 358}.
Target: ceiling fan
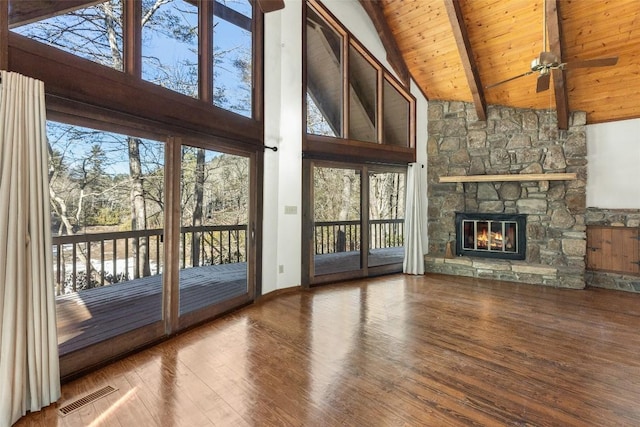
{"x": 548, "y": 61}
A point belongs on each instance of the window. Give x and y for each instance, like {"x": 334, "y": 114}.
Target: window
{"x": 107, "y": 216}
{"x": 215, "y": 64}
{"x": 317, "y": 123}
{"x": 363, "y": 82}
{"x": 93, "y": 32}
{"x": 112, "y": 246}
{"x": 170, "y": 46}
{"x": 232, "y": 59}
{"x": 324, "y": 76}
{"x": 214, "y": 205}
{"x": 133, "y": 139}
{"x": 353, "y": 221}
{"x": 396, "y": 116}
{"x": 350, "y": 95}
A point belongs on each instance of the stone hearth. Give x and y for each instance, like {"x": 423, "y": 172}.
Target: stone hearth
{"x": 511, "y": 141}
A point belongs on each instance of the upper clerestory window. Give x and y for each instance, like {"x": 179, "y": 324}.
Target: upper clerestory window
{"x": 350, "y": 95}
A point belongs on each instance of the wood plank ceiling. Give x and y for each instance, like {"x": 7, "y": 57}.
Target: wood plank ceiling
{"x": 504, "y": 36}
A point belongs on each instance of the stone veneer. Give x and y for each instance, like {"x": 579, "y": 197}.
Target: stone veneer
{"x": 613, "y": 218}
{"x": 510, "y": 141}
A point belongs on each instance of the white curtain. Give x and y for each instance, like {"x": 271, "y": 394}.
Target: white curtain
{"x": 415, "y": 220}
{"x": 29, "y": 371}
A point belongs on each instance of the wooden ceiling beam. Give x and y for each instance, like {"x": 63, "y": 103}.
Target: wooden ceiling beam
{"x": 394, "y": 56}
{"x": 555, "y": 47}
{"x": 466, "y": 55}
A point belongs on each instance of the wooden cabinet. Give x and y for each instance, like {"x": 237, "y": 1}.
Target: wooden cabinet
{"x": 613, "y": 249}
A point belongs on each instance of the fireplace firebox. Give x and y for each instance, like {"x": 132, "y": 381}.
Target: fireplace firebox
{"x": 491, "y": 235}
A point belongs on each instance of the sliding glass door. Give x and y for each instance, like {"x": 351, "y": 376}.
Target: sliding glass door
{"x": 214, "y": 217}
{"x": 348, "y": 208}
{"x": 337, "y": 222}
{"x": 149, "y": 237}
{"x": 386, "y": 216}
{"x": 107, "y": 218}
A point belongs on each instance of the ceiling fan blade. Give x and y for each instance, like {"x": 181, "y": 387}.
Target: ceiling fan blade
{"x": 598, "y": 62}
{"x": 509, "y": 79}
{"x": 543, "y": 82}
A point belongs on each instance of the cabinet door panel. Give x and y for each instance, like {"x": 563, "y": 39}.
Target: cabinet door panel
{"x": 594, "y": 248}
{"x": 615, "y": 249}
{"x": 630, "y": 254}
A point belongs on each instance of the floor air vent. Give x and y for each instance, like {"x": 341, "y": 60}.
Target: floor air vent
{"x": 73, "y": 406}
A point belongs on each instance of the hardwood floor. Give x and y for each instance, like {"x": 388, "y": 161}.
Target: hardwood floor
{"x": 395, "y": 350}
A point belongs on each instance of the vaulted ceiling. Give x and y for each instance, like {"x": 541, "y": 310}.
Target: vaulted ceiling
{"x": 454, "y": 49}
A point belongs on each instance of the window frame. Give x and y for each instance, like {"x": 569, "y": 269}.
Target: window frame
{"x": 379, "y": 69}
{"x": 318, "y": 146}
{"x": 73, "y": 83}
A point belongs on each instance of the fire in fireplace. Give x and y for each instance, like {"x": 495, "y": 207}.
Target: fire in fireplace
{"x": 491, "y": 235}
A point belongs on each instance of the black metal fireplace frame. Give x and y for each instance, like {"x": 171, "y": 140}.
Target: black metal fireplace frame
{"x": 519, "y": 219}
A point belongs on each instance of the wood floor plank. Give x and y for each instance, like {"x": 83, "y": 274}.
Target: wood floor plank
{"x": 393, "y": 350}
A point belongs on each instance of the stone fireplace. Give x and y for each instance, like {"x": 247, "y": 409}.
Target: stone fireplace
{"x": 511, "y": 141}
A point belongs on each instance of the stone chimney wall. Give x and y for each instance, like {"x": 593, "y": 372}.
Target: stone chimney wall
{"x": 511, "y": 141}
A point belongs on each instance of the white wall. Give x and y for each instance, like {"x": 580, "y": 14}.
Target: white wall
{"x": 283, "y": 128}
{"x": 422, "y": 132}
{"x": 613, "y": 171}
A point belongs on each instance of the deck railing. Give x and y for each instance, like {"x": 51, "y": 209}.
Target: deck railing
{"x": 344, "y": 236}
{"x": 84, "y": 261}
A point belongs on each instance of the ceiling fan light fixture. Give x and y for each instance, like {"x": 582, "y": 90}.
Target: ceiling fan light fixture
{"x": 547, "y": 61}
{"x": 536, "y": 65}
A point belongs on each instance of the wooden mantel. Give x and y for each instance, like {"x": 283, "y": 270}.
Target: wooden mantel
{"x": 511, "y": 177}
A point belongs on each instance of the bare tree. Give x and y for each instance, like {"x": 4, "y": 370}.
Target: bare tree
{"x": 138, "y": 208}
{"x": 198, "y": 211}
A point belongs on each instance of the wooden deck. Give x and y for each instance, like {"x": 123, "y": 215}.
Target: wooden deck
{"x": 94, "y": 315}
{"x": 405, "y": 350}
{"x": 348, "y": 261}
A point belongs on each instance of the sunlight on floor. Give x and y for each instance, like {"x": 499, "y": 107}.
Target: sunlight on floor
{"x": 105, "y": 415}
